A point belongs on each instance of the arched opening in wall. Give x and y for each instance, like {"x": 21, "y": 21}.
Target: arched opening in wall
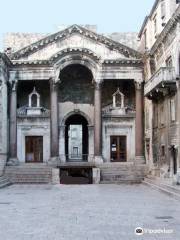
{"x": 76, "y": 138}
{"x": 76, "y": 85}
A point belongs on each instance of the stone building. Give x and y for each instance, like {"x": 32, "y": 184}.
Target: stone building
{"x": 160, "y": 45}
{"x": 73, "y": 98}
{"x": 73, "y": 103}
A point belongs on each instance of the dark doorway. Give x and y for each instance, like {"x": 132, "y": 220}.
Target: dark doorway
{"x": 76, "y": 138}
{"x": 34, "y": 149}
{"x": 76, "y": 175}
{"x": 174, "y": 156}
{"x": 118, "y": 149}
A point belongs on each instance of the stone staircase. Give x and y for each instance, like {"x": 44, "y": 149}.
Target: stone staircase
{"x": 122, "y": 173}
{"x": 164, "y": 185}
{"x": 29, "y": 173}
{"x": 4, "y": 181}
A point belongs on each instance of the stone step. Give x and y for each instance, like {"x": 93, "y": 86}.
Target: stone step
{"x": 26, "y": 180}
{"x": 39, "y": 170}
{"x": 29, "y": 174}
{"x": 173, "y": 191}
{"x": 4, "y": 182}
{"x": 117, "y": 173}
{"x": 128, "y": 181}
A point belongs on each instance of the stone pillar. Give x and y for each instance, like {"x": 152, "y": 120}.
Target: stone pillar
{"x": 54, "y": 131}
{"x": 13, "y": 125}
{"x": 97, "y": 123}
{"x": 139, "y": 128}
{"x": 3, "y": 125}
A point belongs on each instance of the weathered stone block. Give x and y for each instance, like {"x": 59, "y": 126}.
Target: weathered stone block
{"x": 96, "y": 175}
{"x": 55, "y": 176}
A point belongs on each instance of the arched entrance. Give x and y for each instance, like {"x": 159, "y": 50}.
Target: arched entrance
{"x": 76, "y": 138}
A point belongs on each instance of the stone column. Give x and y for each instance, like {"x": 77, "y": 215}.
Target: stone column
{"x": 3, "y": 124}
{"x": 13, "y": 125}
{"x": 139, "y": 122}
{"x": 97, "y": 122}
{"x": 54, "y": 122}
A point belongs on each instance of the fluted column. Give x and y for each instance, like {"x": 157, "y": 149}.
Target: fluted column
{"x": 13, "y": 125}
{"x": 97, "y": 122}
{"x": 139, "y": 128}
{"x": 54, "y": 120}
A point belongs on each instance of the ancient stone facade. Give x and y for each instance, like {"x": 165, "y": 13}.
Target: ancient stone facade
{"x": 160, "y": 38}
{"x": 76, "y": 97}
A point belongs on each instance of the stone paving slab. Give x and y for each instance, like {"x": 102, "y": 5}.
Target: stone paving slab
{"x": 86, "y": 212}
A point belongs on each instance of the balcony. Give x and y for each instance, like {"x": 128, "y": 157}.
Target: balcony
{"x": 162, "y": 83}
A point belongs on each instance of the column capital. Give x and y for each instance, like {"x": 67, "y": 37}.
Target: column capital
{"x": 138, "y": 85}
{"x": 98, "y": 84}
{"x": 13, "y": 85}
{"x": 56, "y": 74}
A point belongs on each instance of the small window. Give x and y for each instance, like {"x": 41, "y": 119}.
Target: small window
{"x": 169, "y": 62}
{"x": 163, "y": 9}
{"x": 162, "y": 151}
{"x": 155, "y": 25}
{"x": 162, "y": 117}
{"x": 147, "y": 118}
{"x": 172, "y": 110}
{"x": 145, "y": 39}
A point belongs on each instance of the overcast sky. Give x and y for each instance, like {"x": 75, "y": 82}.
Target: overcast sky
{"x": 44, "y": 16}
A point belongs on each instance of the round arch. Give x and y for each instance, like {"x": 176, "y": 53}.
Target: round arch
{"x": 76, "y": 138}
{"x": 80, "y": 56}
{"x": 63, "y": 122}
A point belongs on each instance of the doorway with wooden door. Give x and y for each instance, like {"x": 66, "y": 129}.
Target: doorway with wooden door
{"x": 118, "y": 148}
{"x": 34, "y": 149}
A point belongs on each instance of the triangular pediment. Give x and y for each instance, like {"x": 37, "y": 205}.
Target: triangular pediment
{"x": 75, "y": 37}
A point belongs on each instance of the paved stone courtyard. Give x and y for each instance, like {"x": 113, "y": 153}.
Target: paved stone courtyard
{"x": 86, "y": 212}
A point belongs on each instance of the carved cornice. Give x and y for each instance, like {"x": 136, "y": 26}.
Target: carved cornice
{"x": 168, "y": 28}
{"x": 135, "y": 62}
{"x": 31, "y": 62}
{"x": 113, "y": 45}
{"x": 74, "y": 51}
{"x": 124, "y": 62}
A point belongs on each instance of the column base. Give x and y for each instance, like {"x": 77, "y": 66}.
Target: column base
{"x": 140, "y": 160}
{"x": 13, "y": 162}
{"x": 98, "y": 159}
{"x": 53, "y": 161}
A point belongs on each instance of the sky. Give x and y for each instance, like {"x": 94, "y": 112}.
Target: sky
{"x": 44, "y": 16}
